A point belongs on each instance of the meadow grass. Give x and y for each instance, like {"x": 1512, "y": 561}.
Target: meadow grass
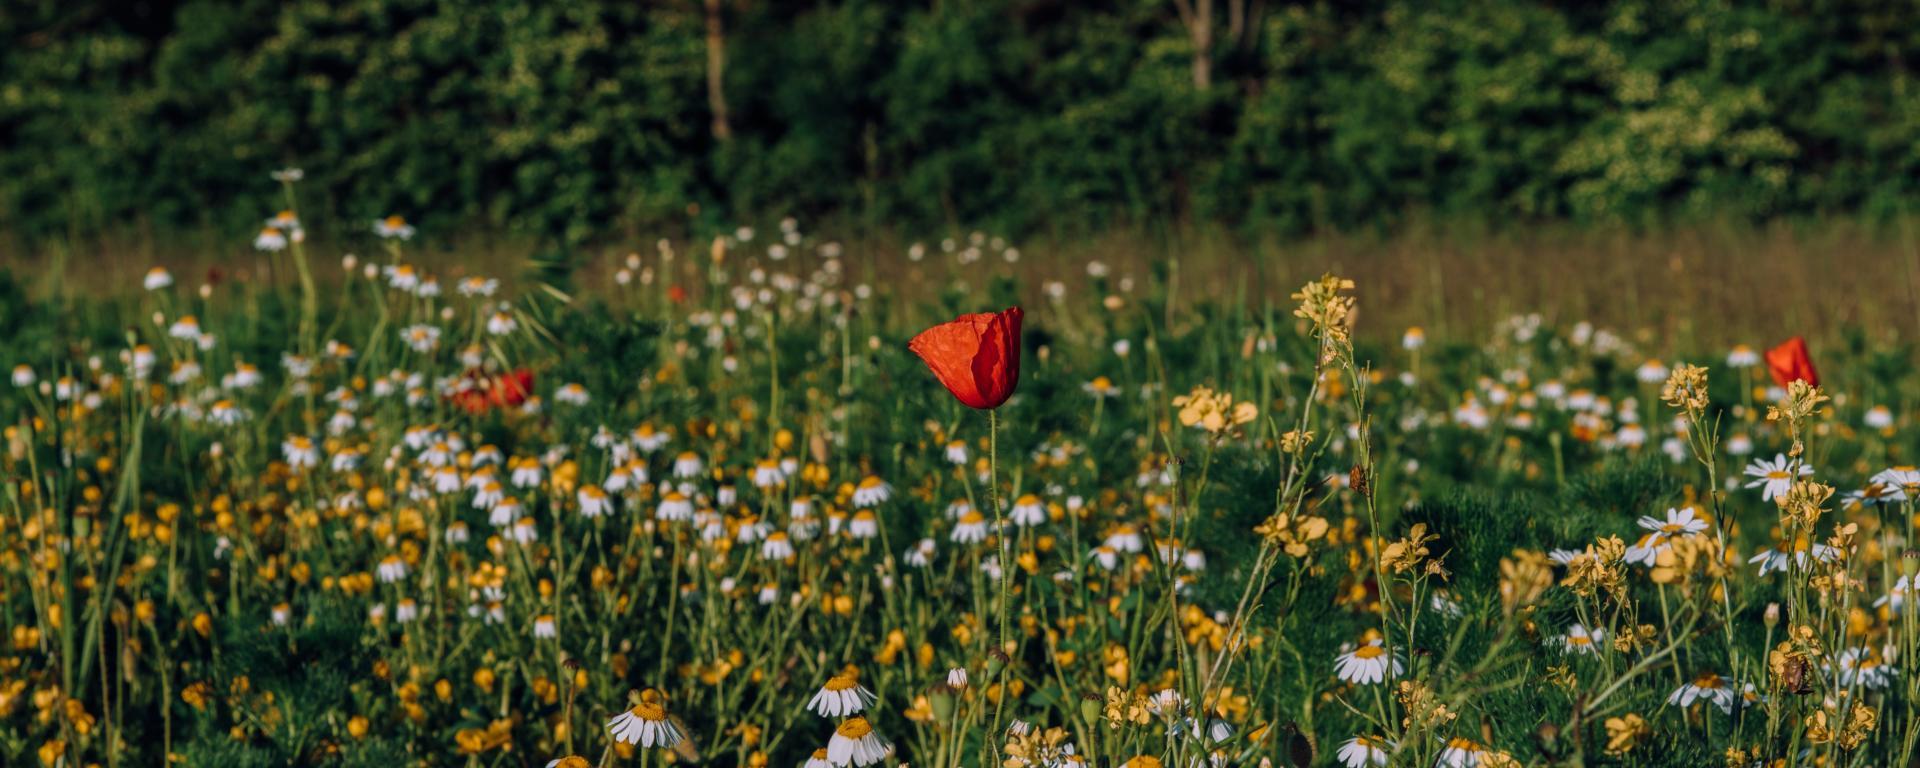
{"x": 1464, "y": 506}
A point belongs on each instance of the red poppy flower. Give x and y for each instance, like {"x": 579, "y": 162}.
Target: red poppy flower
{"x": 1789, "y": 363}
{"x": 511, "y": 389}
{"x": 482, "y": 392}
{"x": 976, "y": 357}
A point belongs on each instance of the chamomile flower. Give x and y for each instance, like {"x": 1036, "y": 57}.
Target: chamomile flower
{"x": 1028, "y": 510}
{"x": 1126, "y": 538}
{"x": 1864, "y": 667}
{"x": 421, "y": 337}
{"x": 299, "y": 452}
{"x": 479, "y": 286}
{"x": 855, "y": 742}
{"x": 502, "y": 511}
{"x": 1364, "y": 752}
{"x": 1795, "y": 554}
{"x": 1875, "y": 494}
{"x": 1461, "y": 753}
{"x": 957, "y": 452}
{"x": 1708, "y": 687}
{"x": 970, "y": 529}
{"x": 767, "y": 474}
{"x": 1678, "y": 522}
{"x": 1368, "y": 664}
{"x": 594, "y": 502}
{"x": 393, "y": 228}
{"x": 157, "y": 278}
{"x": 226, "y": 413}
{"x": 572, "y": 393}
{"x": 1646, "y": 551}
{"x": 777, "y": 547}
{"x": 186, "y": 328}
{"x": 545, "y": 628}
{"x": 688, "y": 465}
{"x": 648, "y": 440}
{"x": 1775, "y": 477}
{"x": 1742, "y": 356}
{"x": 864, "y": 525}
{"x": 392, "y": 569}
{"x": 1579, "y": 639}
{"x": 674, "y": 507}
{"x": 525, "y": 472}
{"x": 872, "y": 491}
{"x": 1101, "y": 388}
{"x": 646, "y": 724}
{"x": 1904, "y": 478}
{"x": 1739, "y": 444}
{"x": 842, "y": 695}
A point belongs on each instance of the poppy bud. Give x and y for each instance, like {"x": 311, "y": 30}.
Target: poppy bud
{"x": 1090, "y": 706}
{"x": 940, "y": 699}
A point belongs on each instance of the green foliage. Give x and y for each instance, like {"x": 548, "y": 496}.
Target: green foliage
{"x": 573, "y": 121}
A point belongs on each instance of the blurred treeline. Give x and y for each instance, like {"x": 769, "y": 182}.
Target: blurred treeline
{"x": 584, "y": 119}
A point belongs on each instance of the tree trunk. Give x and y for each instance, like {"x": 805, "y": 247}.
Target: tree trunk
{"x": 1197, "y": 15}
{"x": 716, "y": 71}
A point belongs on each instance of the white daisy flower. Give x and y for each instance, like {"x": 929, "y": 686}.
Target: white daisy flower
{"x": 1580, "y": 639}
{"x": 1461, "y": 753}
{"x": 392, "y": 569}
{"x": 1364, "y": 752}
{"x": 157, "y": 278}
{"x": 856, "y": 742}
{"x": 1028, "y": 511}
{"x": 1367, "y": 664}
{"x": 646, "y": 724}
{"x": 872, "y": 491}
{"x": 1708, "y": 687}
{"x": 843, "y": 695}
{"x": 393, "y": 228}
{"x": 970, "y": 529}
{"x": 1775, "y": 477}
{"x": 594, "y": 502}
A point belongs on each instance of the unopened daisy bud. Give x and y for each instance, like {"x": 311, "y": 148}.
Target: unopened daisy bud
{"x": 957, "y": 678}
{"x": 1772, "y": 615}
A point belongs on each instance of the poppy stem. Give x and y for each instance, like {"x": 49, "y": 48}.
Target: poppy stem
{"x": 1000, "y": 532}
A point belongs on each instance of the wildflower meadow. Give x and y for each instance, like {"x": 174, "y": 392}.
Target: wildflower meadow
{"x": 749, "y": 502}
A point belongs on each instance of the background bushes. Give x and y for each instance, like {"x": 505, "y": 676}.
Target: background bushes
{"x": 580, "y": 120}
